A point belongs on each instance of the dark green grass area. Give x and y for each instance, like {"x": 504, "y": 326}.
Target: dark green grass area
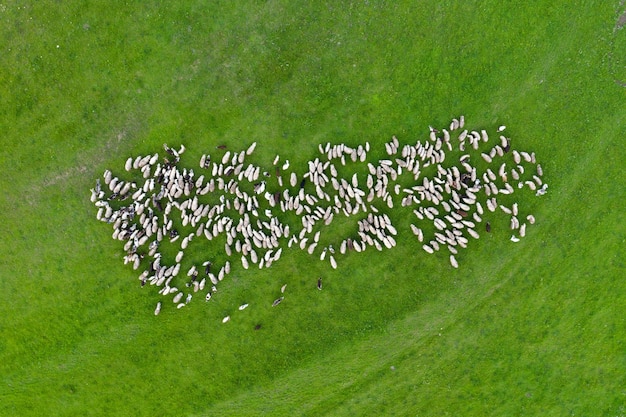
{"x": 528, "y": 328}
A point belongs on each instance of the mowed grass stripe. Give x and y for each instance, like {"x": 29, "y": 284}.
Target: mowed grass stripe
{"x": 473, "y": 363}
{"x": 78, "y": 335}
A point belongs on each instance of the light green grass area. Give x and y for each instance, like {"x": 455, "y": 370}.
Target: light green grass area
{"x": 533, "y": 328}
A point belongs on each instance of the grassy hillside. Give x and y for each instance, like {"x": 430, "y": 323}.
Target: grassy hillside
{"x": 533, "y": 328}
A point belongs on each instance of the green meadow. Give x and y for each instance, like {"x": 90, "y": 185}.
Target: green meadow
{"x": 520, "y": 329}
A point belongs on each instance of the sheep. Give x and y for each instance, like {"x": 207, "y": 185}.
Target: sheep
{"x": 440, "y": 224}
{"x": 192, "y": 271}
{"x": 213, "y": 279}
{"x": 277, "y": 301}
{"x": 456, "y": 190}
{"x": 543, "y": 190}
{"x": 108, "y": 177}
{"x": 333, "y": 263}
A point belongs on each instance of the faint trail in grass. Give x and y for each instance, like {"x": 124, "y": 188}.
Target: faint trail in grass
{"x": 326, "y": 388}
{"x": 63, "y": 176}
{"x": 86, "y": 168}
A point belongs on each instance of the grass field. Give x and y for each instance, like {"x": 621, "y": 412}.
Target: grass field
{"x": 533, "y": 328}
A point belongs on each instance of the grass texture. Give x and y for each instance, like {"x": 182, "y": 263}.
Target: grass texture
{"x": 533, "y": 328}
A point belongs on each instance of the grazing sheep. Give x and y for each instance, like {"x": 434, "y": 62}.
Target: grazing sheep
{"x": 333, "y": 263}
{"x": 277, "y": 301}
{"x": 453, "y": 262}
{"x": 167, "y": 187}
{"x": 543, "y": 190}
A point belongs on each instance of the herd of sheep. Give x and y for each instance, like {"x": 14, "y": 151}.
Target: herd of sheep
{"x": 450, "y": 181}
